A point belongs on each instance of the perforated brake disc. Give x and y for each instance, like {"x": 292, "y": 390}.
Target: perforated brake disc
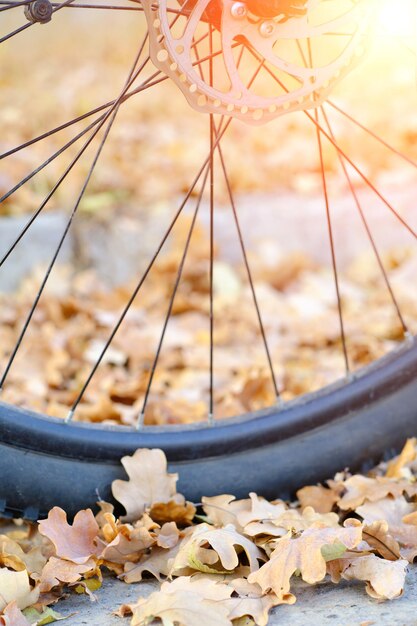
{"x": 269, "y": 57}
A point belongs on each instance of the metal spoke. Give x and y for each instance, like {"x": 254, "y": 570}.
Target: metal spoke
{"x": 6, "y": 6}
{"x": 100, "y": 123}
{"x": 153, "y": 82}
{"x": 249, "y": 273}
{"x": 368, "y": 231}
{"x": 143, "y": 278}
{"x": 58, "y": 7}
{"x": 112, "y": 115}
{"x": 330, "y": 228}
{"x": 344, "y": 155}
{"x": 373, "y": 134}
{"x": 211, "y": 266}
{"x": 332, "y": 248}
{"x": 150, "y": 82}
{"x": 68, "y": 144}
{"x": 141, "y": 420}
{"x": 363, "y": 176}
{"x": 49, "y": 160}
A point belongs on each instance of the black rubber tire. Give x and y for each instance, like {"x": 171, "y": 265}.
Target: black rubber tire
{"x": 44, "y": 462}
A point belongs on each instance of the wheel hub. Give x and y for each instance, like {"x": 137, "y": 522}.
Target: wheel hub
{"x": 269, "y": 57}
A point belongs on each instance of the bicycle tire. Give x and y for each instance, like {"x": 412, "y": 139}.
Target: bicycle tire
{"x": 44, "y": 462}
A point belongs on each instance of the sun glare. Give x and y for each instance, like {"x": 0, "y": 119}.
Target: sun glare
{"x": 398, "y": 18}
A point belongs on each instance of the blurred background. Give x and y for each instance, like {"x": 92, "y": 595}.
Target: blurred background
{"x": 55, "y": 72}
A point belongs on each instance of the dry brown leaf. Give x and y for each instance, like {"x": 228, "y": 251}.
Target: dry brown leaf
{"x": 184, "y": 608}
{"x": 408, "y": 454}
{"x": 320, "y": 498}
{"x": 224, "y": 542}
{"x": 249, "y": 600}
{"x": 13, "y": 616}
{"x": 394, "y": 513}
{"x": 128, "y": 545}
{"x": 377, "y": 537}
{"x": 168, "y": 536}
{"x": 14, "y": 557}
{"x": 222, "y": 510}
{"x": 148, "y": 484}
{"x": 15, "y": 586}
{"x": 252, "y": 602}
{"x": 210, "y": 587}
{"x": 291, "y": 519}
{"x": 76, "y": 543}
{"x": 360, "y": 489}
{"x": 58, "y": 571}
{"x": 158, "y": 563}
{"x": 261, "y": 511}
{"x": 385, "y": 579}
{"x": 304, "y": 553}
{"x": 176, "y": 510}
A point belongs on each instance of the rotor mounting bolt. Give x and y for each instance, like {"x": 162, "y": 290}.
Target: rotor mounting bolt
{"x": 238, "y": 10}
{"x": 39, "y": 11}
{"x": 267, "y": 29}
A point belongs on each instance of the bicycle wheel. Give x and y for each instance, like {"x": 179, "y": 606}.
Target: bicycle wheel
{"x": 252, "y": 64}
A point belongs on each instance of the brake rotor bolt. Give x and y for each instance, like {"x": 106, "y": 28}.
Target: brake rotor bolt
{"x": 238, "y": 10}
{"x": 267, "y": 29}
{"x": 39, "y": 11}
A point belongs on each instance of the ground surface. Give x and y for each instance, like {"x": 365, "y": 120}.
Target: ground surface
{"x": 342, "y": 605}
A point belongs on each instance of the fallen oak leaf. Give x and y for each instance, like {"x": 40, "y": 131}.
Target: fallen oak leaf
{"x": 59, "y": 571}
{"x": 168, "y": 536}
{"x": 46, "y": 616}
{"x": 261, "y": 510}
{"x": 223, "y": 541}
{"x": 395, "y": 513}
{"x": 14, "y": 557}
{"x": 76, "y": 543}
{"x": 408, "y": 454}
{"x": 377, "y": 537}
{"x": 149, "y": 483}
{"x": 321, "y": 498}
{"x": 210, "y": 587}
{"x": 359, "y": 489}
{"x": 15, "y": 586}
{"x": 304, "y": 554}
{"x": 128, "y": 545}
{"x": 251, "y": 602}
{"x": 176, "y": 510}
{"x": 158, "y": 563}
{"x": 13, "y": 616}
{"x": 291, "y": 519}
{"x": 88, "y": 587}
{"x": 224, "y": 509}
{"x": 240, "y": 597}
{"x": 385, "y": 579}
{"x": 184, "y": 608}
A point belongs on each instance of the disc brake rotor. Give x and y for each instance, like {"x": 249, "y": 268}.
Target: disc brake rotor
{"x": 269, "y": 57}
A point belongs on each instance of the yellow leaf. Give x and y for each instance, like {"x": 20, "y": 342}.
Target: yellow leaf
{"x": 408, "y": 454}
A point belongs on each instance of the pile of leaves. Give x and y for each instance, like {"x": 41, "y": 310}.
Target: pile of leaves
{"x": 228, "y": 561}
{"x": 296, "y": 296}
